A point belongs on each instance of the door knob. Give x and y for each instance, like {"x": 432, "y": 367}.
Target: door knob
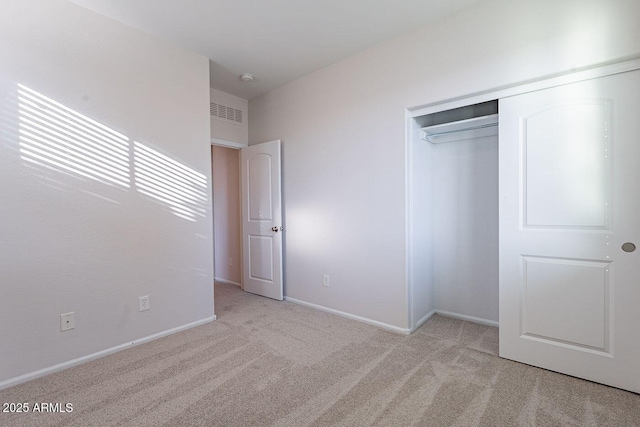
{"x": 275, "y": 229}
{"x": 628, "y": 247}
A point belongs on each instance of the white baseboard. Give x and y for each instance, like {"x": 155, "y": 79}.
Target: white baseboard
{"x": 80, "y": 360}
{"x": 229, "y": 282}
{"x": 422, "y": 320}
{"x": 467, "y": 318}
{"x": 350, "y": 316}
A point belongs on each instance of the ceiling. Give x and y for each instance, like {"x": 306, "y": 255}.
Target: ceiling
{"x": 275, "y": 40}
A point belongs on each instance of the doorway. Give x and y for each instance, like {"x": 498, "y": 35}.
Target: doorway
{"x": 247, "y": 217}
{"x": 227, "y": 225}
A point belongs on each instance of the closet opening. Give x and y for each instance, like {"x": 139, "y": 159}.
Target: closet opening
{"x": 453, "y": 214}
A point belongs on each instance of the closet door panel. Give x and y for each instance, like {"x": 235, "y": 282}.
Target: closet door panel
{"x": 566, "y": 170}
{"x": 569, "y": 203}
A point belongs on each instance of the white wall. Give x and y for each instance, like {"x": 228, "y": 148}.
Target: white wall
{"x": 465, "y": 226}
{"x": 225, "y": 169}
{"x": 420, "y": 246}
{"x": 343, "y": 133}
{"x": 71, "y": 241}
{"x": 225, "y": 130}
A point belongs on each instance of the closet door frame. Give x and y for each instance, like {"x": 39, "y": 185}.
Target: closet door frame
{"x": 412, "y": 132}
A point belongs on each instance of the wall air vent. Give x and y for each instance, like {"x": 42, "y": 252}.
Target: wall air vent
{"x": 226, "y": 114}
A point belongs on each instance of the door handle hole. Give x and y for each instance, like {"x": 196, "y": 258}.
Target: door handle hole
{"x": 628, "y": 247}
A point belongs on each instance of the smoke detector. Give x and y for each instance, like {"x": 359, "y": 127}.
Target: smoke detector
{"x": 246, "y": 77}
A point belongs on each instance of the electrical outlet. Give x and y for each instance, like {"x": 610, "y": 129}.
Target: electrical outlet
{"x": 67, "y": 321}
{"x": 143, "y": 303}
{"x": 325, "y": 280}
{"x": 230, "y": 262}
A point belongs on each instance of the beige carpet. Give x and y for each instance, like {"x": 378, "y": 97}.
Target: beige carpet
{"x": 268, "y": 363}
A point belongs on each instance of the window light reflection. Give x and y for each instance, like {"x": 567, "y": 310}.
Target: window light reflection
{"x": 183, "y": 189}
{"x": 60, "y": 138}
{"x": 56, "y": 137}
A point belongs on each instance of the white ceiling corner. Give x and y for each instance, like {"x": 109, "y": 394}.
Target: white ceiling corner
{"x": 275, "y": 40}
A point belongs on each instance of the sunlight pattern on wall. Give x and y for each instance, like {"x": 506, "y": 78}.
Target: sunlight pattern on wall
{"x": 58, "y": 137}
{"x": 183, "y": 189}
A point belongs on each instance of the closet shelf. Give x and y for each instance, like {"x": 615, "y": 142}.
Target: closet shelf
{"x": 461, "y": 130}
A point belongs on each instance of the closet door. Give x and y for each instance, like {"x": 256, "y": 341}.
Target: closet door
{"x": 569, "y": 224}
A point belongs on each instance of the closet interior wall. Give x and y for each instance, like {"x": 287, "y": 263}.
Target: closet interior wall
{"x": 465, "y": 227}
{"x": 454, "y": 223}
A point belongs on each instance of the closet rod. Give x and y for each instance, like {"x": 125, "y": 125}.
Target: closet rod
{"x": 461, "y": 130}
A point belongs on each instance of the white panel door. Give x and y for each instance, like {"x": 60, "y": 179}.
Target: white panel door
{"x": 569, "y": 214}
{"x": 261, "y": 219}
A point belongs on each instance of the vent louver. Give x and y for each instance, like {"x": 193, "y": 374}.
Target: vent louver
{"x": 228, "y": 114}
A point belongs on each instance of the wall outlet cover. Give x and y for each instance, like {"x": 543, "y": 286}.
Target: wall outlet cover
{"x": 143, "y": 303}
{"x": 67, "y": 321}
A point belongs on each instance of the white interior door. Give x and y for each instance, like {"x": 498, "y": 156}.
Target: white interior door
{"x": 569, "y": 214}
{"x": 262, "y": 219}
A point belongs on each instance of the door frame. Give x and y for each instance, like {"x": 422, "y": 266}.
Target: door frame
{"x": 412, "y": 136}
{"x": 234, "y": 146}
